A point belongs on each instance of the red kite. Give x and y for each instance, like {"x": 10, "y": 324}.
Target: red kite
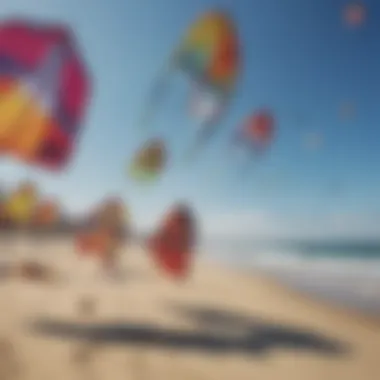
{"x": 173, "y": 243}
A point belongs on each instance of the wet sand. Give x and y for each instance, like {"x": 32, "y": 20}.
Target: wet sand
{"x": 219, "y": 325}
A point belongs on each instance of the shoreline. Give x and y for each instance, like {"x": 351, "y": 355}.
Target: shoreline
{"x": 249, "y": 273}
{"x": 345, "y": 287}
{"x": 342, "y": 311}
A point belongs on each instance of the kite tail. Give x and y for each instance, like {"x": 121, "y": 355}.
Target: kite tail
{"x": 249, "y": 165}
{"x": 207, "y": 130}
{"x": 246, "y": 169}
{"x": 155, "y": 98}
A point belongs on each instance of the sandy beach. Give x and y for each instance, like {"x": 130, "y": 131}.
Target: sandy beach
{"x": 221, "y": 324}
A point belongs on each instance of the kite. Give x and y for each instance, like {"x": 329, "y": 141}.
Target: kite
{"x": 113, "y": 213}
{"x": 209, "y": 56}
{"x": 46, "y": 213}
{"x": 106, "y": 237}
{"x": 256, "y": 133}
{"x": 44, "y": 89}
{"x": 149, "y": 161}
{"x": 22, "y": 203}
{"x": 252, "y": 138}
{"x": 355, "y": 14}
{"x": 4, "y": 220}
{"x": 93, "y": 243}
{"x": 173, "y": 243}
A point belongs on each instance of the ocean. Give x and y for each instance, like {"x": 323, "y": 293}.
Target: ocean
{"x": 343, "y": 272}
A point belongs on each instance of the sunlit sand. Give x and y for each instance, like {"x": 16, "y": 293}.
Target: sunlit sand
{"x": 140, "y": 325}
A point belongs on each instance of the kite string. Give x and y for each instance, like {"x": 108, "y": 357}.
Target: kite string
{"x": 156, "y": 96}
{"x": 222, "y": 165}
{"x": 233, "y": 157}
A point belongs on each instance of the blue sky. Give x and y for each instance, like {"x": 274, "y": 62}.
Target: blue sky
{"x": 299, "y": 60}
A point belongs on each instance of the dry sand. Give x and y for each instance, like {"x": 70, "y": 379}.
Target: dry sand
{"x": 218, "y": 325}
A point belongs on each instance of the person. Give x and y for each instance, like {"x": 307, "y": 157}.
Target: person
{"x": 111, "y": 226}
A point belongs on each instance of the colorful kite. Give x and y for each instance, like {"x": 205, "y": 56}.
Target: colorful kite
{"x": 21, "y": 204}
{"x": 47, "y": 213}
{"x": 256, "y": 133}
{"x": 113, "y": 213}
{"x": 252, "y": 138}
{"x": 44, "y": 89}
{"x": 93, "y": 243}
{"x": 172, "y": 245}
{"x": 355, "y": 14}
{"x": 4, "y": 220}
{"x": 149, "y": 161}
{"x": 107, "y": 235}
{"x": 209, "y": 56}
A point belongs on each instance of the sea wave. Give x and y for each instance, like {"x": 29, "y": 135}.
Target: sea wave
{"x": 350, "y": 280}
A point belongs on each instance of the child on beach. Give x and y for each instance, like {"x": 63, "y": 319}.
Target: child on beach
{"x": 111, "y": 225}
{"x": 107, "y": 235}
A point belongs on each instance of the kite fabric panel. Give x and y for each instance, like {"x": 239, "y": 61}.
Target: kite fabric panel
{"x": 44, "y": 90}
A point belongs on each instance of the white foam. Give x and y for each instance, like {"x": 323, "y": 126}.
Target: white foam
{"x": 350, "y": 281}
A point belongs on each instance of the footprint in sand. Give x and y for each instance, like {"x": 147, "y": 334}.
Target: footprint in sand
{"x": 82, "y": 359}
{"x": 82, "y": 355}
{"x": 137, "y": 365}
{"x": 86, "y": 306}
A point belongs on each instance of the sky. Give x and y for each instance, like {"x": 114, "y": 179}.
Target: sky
{"x": 299, "y": 60}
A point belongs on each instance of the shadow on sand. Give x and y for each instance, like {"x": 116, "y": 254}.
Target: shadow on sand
{"x": 219, "y": 332}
